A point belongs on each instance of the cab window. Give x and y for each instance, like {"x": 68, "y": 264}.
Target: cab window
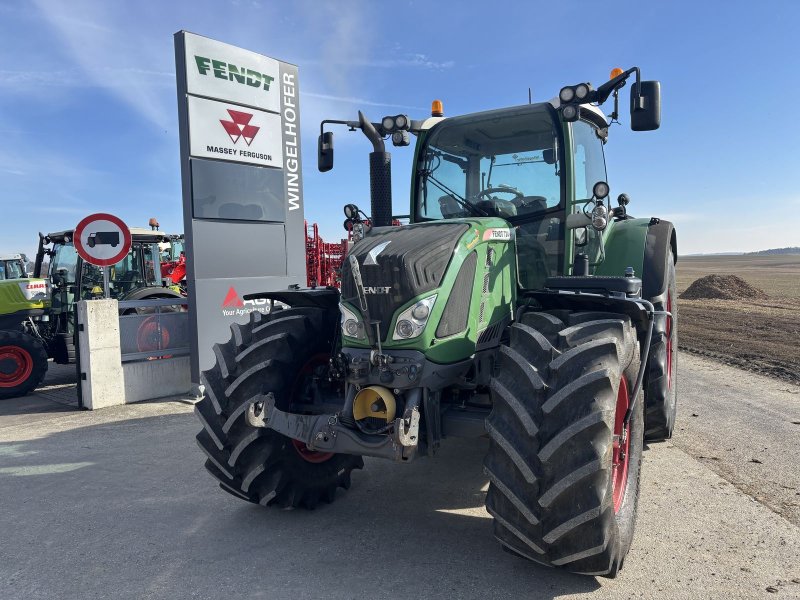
{"x": 64, "y": 263}
{"x": 590, "y": 163}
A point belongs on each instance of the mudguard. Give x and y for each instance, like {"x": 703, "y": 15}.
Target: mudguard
{"x": 310, "y": 297}
{"x": 644, "y": 245}
{"x": 151, "y": 292}
{"x": 660, "y": 239}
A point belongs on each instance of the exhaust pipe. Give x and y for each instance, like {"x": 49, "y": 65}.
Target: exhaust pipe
{"x": 380, "y": 175}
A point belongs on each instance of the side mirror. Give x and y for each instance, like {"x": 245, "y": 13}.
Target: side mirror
{"x": 325, "y": 152}
{"x": 646, "y": 108}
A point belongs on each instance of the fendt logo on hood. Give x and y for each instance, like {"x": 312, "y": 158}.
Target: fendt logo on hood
{"x": 239, "y": 126}
{"x": 233, "y": 305}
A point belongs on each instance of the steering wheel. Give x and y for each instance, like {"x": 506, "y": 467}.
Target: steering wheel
{"x": 501, "y": 188}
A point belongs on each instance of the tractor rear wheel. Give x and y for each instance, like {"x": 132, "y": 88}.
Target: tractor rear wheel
{"x": 564, "y": 478}
{"x": 661, "y": 389}
{"x": 23, "y": 363}
{"x": 286, "y": 353}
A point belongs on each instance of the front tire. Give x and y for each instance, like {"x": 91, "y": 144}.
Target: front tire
{"x": 280, "y": 353}
{"x": 561, "y": 492}
{"x": 23, "y": 363}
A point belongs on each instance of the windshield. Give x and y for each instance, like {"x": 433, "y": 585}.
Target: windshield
{"x": 11, "y": 269}
{"x": 65, "y": 260}
{"x": 498, "y": 163}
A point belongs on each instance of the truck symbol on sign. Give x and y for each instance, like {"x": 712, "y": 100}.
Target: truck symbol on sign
{"x": 103, "y": 237}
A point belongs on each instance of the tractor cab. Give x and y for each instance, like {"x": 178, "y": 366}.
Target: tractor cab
{"x": 12, "y": 266}
{"x": 140, "y": 269}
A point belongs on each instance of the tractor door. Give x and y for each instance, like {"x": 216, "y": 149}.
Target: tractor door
{"x": 589, "y": 168}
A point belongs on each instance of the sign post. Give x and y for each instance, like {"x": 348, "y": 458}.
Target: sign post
{"x": 243, "y": 216}
{"x": 103, "y": 240}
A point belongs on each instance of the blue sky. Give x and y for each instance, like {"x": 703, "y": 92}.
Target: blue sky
{"x": 88, "y": 116}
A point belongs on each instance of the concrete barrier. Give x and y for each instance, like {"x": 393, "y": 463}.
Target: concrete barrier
{"x": 150, "y": 379}
{"x": 106, "y": 380}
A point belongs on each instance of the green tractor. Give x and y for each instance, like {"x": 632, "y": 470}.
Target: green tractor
{"x": 37, "y": 315}
{"x": 516, "y": 305}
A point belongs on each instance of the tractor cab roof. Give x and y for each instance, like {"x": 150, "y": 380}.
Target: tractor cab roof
{"x": 138, "y": 234}
{"x": 11, "y": 257}
{"x": 588, "y": 111}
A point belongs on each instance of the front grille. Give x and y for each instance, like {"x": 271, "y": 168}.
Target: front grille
{"x": 456, "y": 311}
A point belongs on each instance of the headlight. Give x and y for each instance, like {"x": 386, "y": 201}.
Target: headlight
{"x": 411, "y": 322}
{"x": 352, "y": 326}
{"x": 600, "y": 217}
{"x": 581, "y": 91}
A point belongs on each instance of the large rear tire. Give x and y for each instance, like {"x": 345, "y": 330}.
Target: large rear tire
{"x": 23, "y": 363}
{"x": 284, "y": 353}
{"x": 562, "y": 492}
{"x": 661, "y": 384}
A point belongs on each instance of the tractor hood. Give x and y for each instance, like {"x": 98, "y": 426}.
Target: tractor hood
{"x": 467, "y": 264}
{"x": 400, "y": 263}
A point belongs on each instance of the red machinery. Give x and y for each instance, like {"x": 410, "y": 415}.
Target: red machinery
{"x": 323, "y": 259}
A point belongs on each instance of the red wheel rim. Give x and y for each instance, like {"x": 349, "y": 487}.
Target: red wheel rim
{"x": 147, "y": 337}
{"x": 16, "y": 365}
{"x": 148, "y": 334}
{"x": 310, "y": 455}
{"x": 304, "y": 451}
{"x": 621, "y": 454}
{"x": 669, "y": 341}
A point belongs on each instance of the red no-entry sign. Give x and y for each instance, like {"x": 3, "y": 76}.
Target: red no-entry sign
{"x": 102, "y": 239}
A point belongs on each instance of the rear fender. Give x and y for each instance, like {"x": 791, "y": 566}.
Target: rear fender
{"x": 661, "y": 238}
{"x": 643, "y": 244}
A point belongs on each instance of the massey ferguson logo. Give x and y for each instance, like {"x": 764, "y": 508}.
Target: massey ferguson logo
{"x": 239, "y": 126}
{"x": 372, "y": 289}
{"x": 233, "y": 305}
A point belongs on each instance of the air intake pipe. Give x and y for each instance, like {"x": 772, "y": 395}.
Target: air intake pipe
{"x": 380, "y": 175}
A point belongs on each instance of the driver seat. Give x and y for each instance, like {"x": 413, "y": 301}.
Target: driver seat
{"x": 498, "y": 208}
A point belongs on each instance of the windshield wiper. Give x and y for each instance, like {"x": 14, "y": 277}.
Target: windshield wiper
{"x": 427, "y": 174}
{"x": 477, "y": 212}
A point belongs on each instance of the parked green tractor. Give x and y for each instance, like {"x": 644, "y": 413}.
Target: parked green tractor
{"x": 517, "y": 305}
{"x": 37, "y": 315}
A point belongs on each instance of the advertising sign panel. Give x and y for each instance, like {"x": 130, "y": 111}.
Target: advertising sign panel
{"x": 229, "y": 132}
{"x": 239, "y": 117}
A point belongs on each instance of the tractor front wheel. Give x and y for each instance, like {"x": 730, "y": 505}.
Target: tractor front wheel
{"x": 23, "y": 363}
{"x": 563, "y": 465}
{"x": 284, "y": 353}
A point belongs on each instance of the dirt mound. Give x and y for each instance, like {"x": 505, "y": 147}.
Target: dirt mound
{"x": 722, "y": 287}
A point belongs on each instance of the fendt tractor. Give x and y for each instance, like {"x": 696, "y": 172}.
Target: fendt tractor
{"x": 37, "y": 315}
{"x": 516, "y": 305}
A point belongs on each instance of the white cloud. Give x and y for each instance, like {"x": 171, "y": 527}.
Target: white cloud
{"x": 112, "y": 60}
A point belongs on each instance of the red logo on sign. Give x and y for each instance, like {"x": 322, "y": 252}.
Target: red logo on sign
{"x": 239, "y": 126}
{"x": 232, "y": 300}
